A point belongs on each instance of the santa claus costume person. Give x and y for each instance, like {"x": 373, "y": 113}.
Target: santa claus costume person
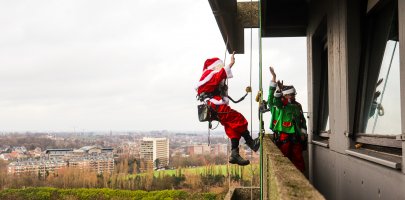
{"x": 210, "y": 90}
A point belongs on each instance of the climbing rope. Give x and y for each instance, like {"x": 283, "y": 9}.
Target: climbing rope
{"x": 251, "y": 102}
{"x": 261, "y": 132}
{"x": 226, "y": 47}
{"x": 229, "y": 141}
{"x": 251, "y": 96}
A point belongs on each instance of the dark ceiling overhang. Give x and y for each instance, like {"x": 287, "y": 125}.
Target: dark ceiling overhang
{"x": 284, "y": 18}
{"x": 280, "y": 18}
{"x": 225, "y": 13}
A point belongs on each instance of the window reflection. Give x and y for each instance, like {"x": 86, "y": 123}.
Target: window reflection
{"x": 327, "y": 125}
{"x": 385, "y": 112}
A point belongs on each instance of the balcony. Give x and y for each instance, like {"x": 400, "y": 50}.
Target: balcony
{"x": 281, "y": 180}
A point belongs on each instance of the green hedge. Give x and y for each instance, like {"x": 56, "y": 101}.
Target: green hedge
{"x": 46, "y": 193}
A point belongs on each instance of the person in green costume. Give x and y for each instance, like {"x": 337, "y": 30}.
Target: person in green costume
{"x": 287, "y": 121}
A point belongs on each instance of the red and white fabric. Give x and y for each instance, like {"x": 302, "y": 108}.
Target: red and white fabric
{"x": 213, "y": 74}
{"x": 211, "y": 78}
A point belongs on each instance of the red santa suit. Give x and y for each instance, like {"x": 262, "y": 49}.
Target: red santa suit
{"x": 213, "y": 74}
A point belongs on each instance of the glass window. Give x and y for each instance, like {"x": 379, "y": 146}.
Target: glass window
{"x": 385, "y": 111}
{"x": 327, "y": 125}
{"x": 381, "y": 110}
{"x": 320, "y": 80}
{"x": 324, "y": 94}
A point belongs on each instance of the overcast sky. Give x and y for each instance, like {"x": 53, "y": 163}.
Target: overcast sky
{"x": 126, "y": 65}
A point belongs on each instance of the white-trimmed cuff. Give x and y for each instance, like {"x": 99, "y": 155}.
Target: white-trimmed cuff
{"x": 228, "y": 71}
{"x": 223, "y": 101}
{"x": 303, "y": 131}
{"x": 273, "y": 84}
{"x": 277, "y": 94}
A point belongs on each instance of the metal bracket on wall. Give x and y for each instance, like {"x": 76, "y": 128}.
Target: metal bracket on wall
{"x": 400, "y": 137}
{"x": 347, "y": 134}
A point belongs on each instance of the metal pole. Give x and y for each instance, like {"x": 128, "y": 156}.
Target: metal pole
{"x": 261, "y": 132}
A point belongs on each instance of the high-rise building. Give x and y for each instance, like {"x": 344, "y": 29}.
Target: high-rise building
{"x": 155, "y": 150}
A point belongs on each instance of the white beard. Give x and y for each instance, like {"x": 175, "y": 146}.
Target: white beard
{"x": 218, "y": 67}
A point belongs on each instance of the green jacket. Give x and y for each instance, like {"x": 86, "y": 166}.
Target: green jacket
{"x": 285, "y": 117}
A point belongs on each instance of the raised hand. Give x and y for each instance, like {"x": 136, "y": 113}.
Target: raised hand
{"x": 232, "y": 59}
{"x": 280, "y": 84}
{"x": 273, "y": 74}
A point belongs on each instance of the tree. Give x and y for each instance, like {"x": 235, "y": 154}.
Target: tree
{"x": 157, "y": 163}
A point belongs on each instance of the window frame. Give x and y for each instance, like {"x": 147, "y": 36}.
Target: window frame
{"x": 320, "y": 53}
{"x": 370, "y": 70}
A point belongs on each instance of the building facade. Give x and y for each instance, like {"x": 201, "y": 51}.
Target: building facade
{"x": 155, "y": 150}
{"x": 99, "y": 164}
{"x": 90, "y": 158}
{"x": 356, "y": 86}
{"x": 39, "y": 167}
{"x": 218, "y": 149}
{"x": 198, "y": 149}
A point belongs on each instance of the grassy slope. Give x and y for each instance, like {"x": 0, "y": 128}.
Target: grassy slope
{"x": 46, "y": 193}
{"x": 216, "y": 169}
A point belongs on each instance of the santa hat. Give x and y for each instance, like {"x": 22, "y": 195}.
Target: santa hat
{"x": 211, "y": 63}
{"x": 289, "y": 90}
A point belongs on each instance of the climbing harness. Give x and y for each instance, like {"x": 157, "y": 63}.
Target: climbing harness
{"x": 206, "y": 112}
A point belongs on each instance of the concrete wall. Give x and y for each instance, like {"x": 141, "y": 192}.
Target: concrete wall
{"x": 340, "y": 176}
{"x": 281, "y": 180}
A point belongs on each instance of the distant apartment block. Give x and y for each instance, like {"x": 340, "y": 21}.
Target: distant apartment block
{"x": 91, "y": 158}
{"x": 75, "y": 153}
{"x": 58, "y": 153}
{"x": 155, "y": 150}
{"x": 204, "y": 149}
{"x": 218, "y": 149}
{"x": 40, "y": 167}
{"x": 198, "y": 149}
{"x": 99, "y": 164}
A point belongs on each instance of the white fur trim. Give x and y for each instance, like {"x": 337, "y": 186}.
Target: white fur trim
{"x": 303, "y": 131}
{"x": 277, "y": 94}
{"x": 216, "y": 63}
{"x": 228, "y": 71}
{"x": 289, "y": 91}
{"x": 223, "y": 101}
{"x": 206, "y": 79}
{"x": 273, "y": 84}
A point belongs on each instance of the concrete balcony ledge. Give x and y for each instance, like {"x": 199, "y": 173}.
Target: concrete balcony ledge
{"x": 281, "y": 179}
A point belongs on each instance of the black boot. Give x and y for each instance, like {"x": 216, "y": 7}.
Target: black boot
{"x": 253, "y": 144}
{"x": 237, "y": 159}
